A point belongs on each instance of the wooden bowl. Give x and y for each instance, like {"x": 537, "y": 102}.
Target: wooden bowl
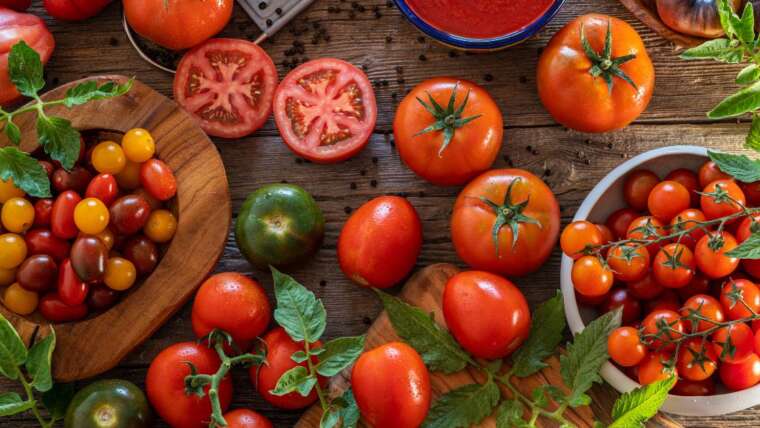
{"x": 91, "y": 346}
{"x": 646, "y": 12}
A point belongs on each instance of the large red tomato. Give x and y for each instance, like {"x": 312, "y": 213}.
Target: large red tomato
{"x": 31, "y": 29}
{"x": 380, "y": 242}
{"x": 587, "y": 93}
{"x": 452, "y": 146}
{"x": 244, "y": 418}
{"x": 392, "y": 386}
{"x": 165, "y": 385}
{"x": 177, "y": 24}
{"x": 17, "y": 5}
{"x": 505, "y": 221}
{"x": 486, "y": 313}
{"x": 231, "y": 302}
{"x": 227, "y": 85}
{"x": 325, "y": 110}
{"x": 74, "y": 10}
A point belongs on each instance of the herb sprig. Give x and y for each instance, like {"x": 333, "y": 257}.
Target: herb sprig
{"x": 56, "y": 135}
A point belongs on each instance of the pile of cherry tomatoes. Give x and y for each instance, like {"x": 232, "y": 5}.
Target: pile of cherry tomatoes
{"x": 688, "y": 308}
{"x": 78, "y": 250}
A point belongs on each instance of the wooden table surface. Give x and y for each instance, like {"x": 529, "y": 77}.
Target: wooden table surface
{"x": 373, "y": 34}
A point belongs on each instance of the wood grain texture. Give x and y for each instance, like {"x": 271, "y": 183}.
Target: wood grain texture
{"x": 646, "y": 12}
{"x": 90, "y": 347}
{"x": 425, "y": 290}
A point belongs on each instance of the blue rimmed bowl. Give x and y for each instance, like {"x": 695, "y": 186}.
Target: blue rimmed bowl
{"x": 476, "y": 44}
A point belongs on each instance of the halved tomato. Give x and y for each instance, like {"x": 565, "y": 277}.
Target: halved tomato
{"x": 227, "y": 85}
{"x": 325, "y": 110}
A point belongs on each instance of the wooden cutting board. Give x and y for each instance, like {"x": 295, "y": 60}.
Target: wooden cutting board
{"x": 424, "y": 290}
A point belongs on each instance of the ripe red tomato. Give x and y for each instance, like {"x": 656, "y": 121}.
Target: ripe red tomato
{"x": 62, "y": 215}
{"x": 740, "y": 298}
{"x": 637, "y": 187}
{"x": 581, "y": 100}
{"x": 103, "y": 187}
{"x": 751, "y": 192}
{"x": 647, "y": 228}
{"x": 473, "y": 146}
{"x": 629, "y": 262}
{"x": 392, "y": 386}
{"x": 158, "y": 179}
{"x": 280, "y": 347}
{"x": 667, "y": 199}
{"x": 42, "y": 241}
{"x": 625, "y": 348}
{"x": 722, "y": 198}
{"x": 751, "y": 266}
{"x": 76, "y": 179}
{"x": 325, "y": 110}
{"x": 380, "y": 242}
{"x": 741, "y": 340}
{"x": 646, "y": 288}
{"x": 662, "y": 317}
{"x": 55, "y": 310}
{"x": 493, "y": 205}
{"x": 653, "y": 369}
{"x": 234, "y": 303}
{"x": 715, "y": 263}
{"x": 177, "y": 24}
{"x": 165, "y": 385}
{"x": 710, "y": 172}
{"x": 697, "y": 359}
{"x": 667, "y": 300}
{"x": 707, "y": 307}
{"x": 43, "y": 209}
{"x": 591, "y": 277}
{"x": 698, "y": 285}
{"x": 17, "y": 5}
{"x": 688, "y": 179}
{"x": 579, "y": 236}
{"x": 619, "y": 221}
{"x": 227, "y": 85}
{"x": 244, "y": 418}
{"x": 674, "y": 266}
{"x": 691, "y": 388}
{"x": 741, "y": 375}
{"x": 687, "y": 220}
{"x": 71, "y": 289}
{"x": 487, "y": 314}
{"x": 74, "y": 10}
{"x": 618, "y": 297}
{"x": 31, "y": 29}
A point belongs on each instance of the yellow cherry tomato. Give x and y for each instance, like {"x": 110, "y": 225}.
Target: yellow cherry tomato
{"x": 20, "y": 300}
{"x": 138, "y": 145}
{"x": 7, "y": 276}
{"x": 129, "y": 177}
{"x": 9, "y": 190}
{"x": 91, "y": 216}
{"x": 17, "y": 215}
{"x": 161, "y": 226}
{"x": 12, "y": 250}
{"x": 108, "y": 158}
{"x": 120, "y": 273}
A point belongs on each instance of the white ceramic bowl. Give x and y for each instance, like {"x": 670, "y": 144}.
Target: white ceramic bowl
{"x": 605, "y": 198}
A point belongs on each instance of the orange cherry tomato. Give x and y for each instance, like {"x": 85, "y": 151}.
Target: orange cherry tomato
{"x": 591, "y": 277}
{"x": 667, "y": 199}
{"x": 653, "y": 368}
{"x": 706, "y": 307}
{"x": 647, "y": 228}
{"x": 629, "y": 262}
{"x": 722, "y": 198}
{"x": 740, "y": 298}
{"x": 158, "y": 179}
{"x": 625, "y": 347}
{"x": 579, "y": 236}
{"x": 734, "y": 343}
{"x": 711, "y": 257}
{"x": 688, "y": 179}
{"x": 666, "y": 320}
{"x": 688, "y": 219}
{"x": 244, "y": 418}
{"x": 674, "y": 266}
{"x": 697, "y": 359}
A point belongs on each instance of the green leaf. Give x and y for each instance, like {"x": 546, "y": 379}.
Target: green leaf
{"x": 586, "y": 354}
{"x": 59, "y": 139}
{"x": 343, "y": 408}
{"x": 438, "y": 349}
{"x": 299, "y": 356}
{"x": 296, "y": 379}
{"x": 509, "y": 414}
{"x": 12, "y": 350}
{"x": 749, "y": 249}
{"x": 38, "y": 364}
{"x": 89, "y": 91}
{"x": 25, "y": 171}
{"x": 746, "y": 100}
{"x": 545, "y": 335}
{"x": 749, "y": 74}
{"x": 298, "y": 311}
{"x": 740, "y": 167}
{"x": 57, "y": 399}
{"x": 339, "y": 354}
{"x": 25, "y": 69}
{"x": 744, "y": 26}
{"x": 463, "y": 407}
{"x": 725, "y": 12}
{"x": 12, "y": 131}
{"x": 717, "y": 49}
{"x": 11, "y": 404}
{"x": 634, "y": 408}
{"x": 753, "y": 137}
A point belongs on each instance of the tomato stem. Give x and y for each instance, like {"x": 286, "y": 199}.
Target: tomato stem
{"x": 30, "y": 397}
{"x": 447, "y": 120}
{"x": 536, "y": 411}
{"x": 604, "y": 64}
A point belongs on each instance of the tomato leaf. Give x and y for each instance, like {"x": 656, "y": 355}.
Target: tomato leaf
{"x": 718, "y": 49}
{"x": 89, "y": 91}
{"x": 12, "y": 350}
{"x": 342, "y": 409}
{"x": 11, "y": 404}
{"x": 39, "y": 361}
{"x": 545, "y": 335}
{"x": 740, "y": 167}
{"x": 749, "y": 249}
{"x": 743, "y": 101}
{"x": 634, "y": 408}
{"x": 585, "y": 356}
{"x": 59, "y": 139}
{"x": 298, "y": 311}
{"x": 509, "y": 414}
{"x": 339, "y": 354}
{"x": 25, "y": 171}
{"x": 749, "y": 74}
{"x": 463, "y": 407}
{"x": 25, "y": 69}
{"x": 12, "y": 131}
{"x": 744, "y": 25}
{"x": 57, "y": 399}
{"x": 753, "y": 137}
{"x": 438, "y": 349}
{"x": 296, "y": 379}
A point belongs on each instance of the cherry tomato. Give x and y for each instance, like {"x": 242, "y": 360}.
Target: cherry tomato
{"x": 17, "y": 215}
{"x": 9, "y": 190}
{"x": 751, "y": 192}
{"x": 629, "y": 263}
{"x": 486, "y": 313}
{"x": 688, "y": 219}
{"x": 722, "y": 198}
{"x": 646, "y": 288}
{"x": 71, "y": 290}
{"x": 142, "y": 252}
{"x": 658, "y": 319}
{"x": 75, "y": 180}
{"x": 647, "y": 228}
{"x": 705, "y": 306}
{"x": 472, "y": 147}
{"x": 698, "y": 285}
{"x": 12, "y": 250}
{"x": 653, "y": 369}
{"x": 591, "y": 277}
{"x": 14, "y": 27}
{"x": 579, "y": 236}
{"x": 688, "y": 179}
{"x": 710, "y": 172}
{"x": 20, "y": 300}
{"x": 42, "y": 241}
{"x": 607, "y": 235}
{"x": 165, "y": 385}
{"x": 101, "y": 298}
{"x": 691, "y": 388}
{"x": 37, "y": 273}
{"x": 62, "y": 216}
{"x": 674, "y": 266}
{"x": 741, "y": 375}
{"x": 129, "y": 177}
{"x": 244, "y": 418}
{"x": 43, "y": 210}
{"x": 129, "y": 214}
{"x": 757, "y": 338}
{"x": 741, "y": 340}
{"x": 53, "y": 308}
{"x": 120, "y": 274}
{"x": 667, "y": 199}
{"x": 746, "y": 227}
{"x": 91, "y": 216}
{"x": 625, "y": 348}
{"x": 158, "y": 179}
{"x": 379, "y": 244}
{"x": 697, "y": 359}
{"x": 637, "y": 187}
{"x": 234, "y": 303}
{"x": 740, "y": 298}
{"x": 517, "y": 200}
{"x": 400, "y": 398}
{"x": 88, "y": 258}
{"x": 618, "y": 297}
{"x": 7, "y": 277}
{"x": 714, "y": 263}
{"x": 591, "y": 300}
{"x": 280, "y": 347}
{"x": 667, "y": 300}
{"x": 160, "y": 226}
{"x": 138, "y": 145}
{"x": 619, "y": 221}
{"x": 104, "y": 188}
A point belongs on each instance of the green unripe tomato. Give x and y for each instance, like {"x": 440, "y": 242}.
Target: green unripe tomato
{"x": 108, "y": 404}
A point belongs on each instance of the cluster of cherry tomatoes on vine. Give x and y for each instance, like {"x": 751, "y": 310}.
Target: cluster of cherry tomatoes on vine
{"x": 689, "y": 305}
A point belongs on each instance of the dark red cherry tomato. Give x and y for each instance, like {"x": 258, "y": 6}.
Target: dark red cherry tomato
{"x": 142, "y": 252}
{"x": 101, "y": 298}
{"x": 88, "y": 257}
{"x": 43, "y": 209}
{"x": 689, "y": 180}
{"x": 751, "y": 192}
{"x": 71, "y": 289}
{"x": 62, "y": 217}
{"x": 158, "y": 179}
{"x": 647, "y": 288}
{"x": 54, "y": 309}
{"x": 42, "y": 241}
{"x": 47, "y": 166}
{"x": 103, "y": 187}
{"x": 75, "y": 180}
{"x": 129, "y": 214}
{"x": 619, "y": 221}
{"x": 623, "y": 297}
{"x": 694, "y": 388}
{"x": 37, "y": 273}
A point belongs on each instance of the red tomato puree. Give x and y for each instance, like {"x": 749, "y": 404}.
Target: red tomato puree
{"x": 481, "y": 19}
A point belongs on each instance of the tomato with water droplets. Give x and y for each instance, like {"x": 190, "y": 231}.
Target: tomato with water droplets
{"x": 325, "y": 110}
